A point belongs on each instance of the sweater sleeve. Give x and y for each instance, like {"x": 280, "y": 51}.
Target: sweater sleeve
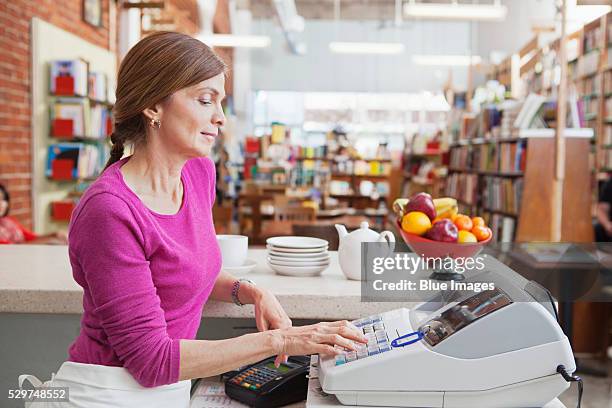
{"x": 27, "y": 234}
{"x": 108, "y": 244}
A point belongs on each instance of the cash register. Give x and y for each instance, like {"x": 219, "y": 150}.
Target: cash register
{"x": 496, "y": 348}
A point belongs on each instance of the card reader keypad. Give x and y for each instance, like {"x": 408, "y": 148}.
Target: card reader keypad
{"x": 255, "y": 377}
{"x": 373, "y": 329}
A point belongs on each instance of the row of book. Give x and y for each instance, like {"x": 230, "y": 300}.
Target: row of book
{"x": 495, "y": 194}
{"x": 503, "y": 227}
{"x": 73, "y": 78}
{"x": 362, "y": 167}
{"x": 73, "y": 161}
{"x": 77, "y": 117}
{"x": 502, "y": 194}
{"x": 484, "y": 124}
{"x": 539, "y": 112}
{"x": 495, "y": 157}
{"x": 591, "y": 107}
{"x": 462, "y": 186}
{"x": 608, "y": 80}
{"x": 592, "y": 39}
{"x": 607, "y": 159}
{"x": 319, "y": 152}
{"x": 588, "y": 64}
{"x": 590, "y": 85}
{"x": 310, "y": 173}
{"x": 607, "y": 135}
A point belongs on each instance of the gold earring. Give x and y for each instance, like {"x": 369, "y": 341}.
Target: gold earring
{"x": 155, "y": 123}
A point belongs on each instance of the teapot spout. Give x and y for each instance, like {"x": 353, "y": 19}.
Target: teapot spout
{"x": 342, "y": 232}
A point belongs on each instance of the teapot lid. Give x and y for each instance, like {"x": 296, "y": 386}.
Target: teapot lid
{"x": 364, "y": 233}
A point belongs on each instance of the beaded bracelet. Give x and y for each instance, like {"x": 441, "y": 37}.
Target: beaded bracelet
{"x": 236, "y": 288}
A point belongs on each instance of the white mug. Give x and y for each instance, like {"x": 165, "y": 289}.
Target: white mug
{"x": 234, "y": 249}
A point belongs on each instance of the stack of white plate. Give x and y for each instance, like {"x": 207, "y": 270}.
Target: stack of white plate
{"x": 297, "y": 256}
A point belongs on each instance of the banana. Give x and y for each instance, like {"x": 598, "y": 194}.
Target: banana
{"x": 399, "y": 205}
{"x": 446, "y": 207}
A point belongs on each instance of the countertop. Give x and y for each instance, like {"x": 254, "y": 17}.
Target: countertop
{"x": 38, "y": 279}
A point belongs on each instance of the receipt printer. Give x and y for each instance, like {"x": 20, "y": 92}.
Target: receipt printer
{"x": 495, "y": 348}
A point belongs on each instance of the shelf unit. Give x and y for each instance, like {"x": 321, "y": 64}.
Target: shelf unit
{"x": 476, "y": 188}
{"x": 51, "y": 43}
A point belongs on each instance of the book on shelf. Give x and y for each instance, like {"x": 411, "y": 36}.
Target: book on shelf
{"x": 590, "y": 86}
{"x": 503, "y": 227}
{"x": 309, "y": 173}
{"x": 503, "y": 157}
{"x": 462, "y": 186}
{"x": 319, "y": 152}
{"x": 502, "y": 194}
{"x": 588, "y": 64}
{"x": 607, "y": 135}
{"x": 72, "y": 161}
{"x": 528, "y": 111}
{"x": 98, "y": 86}
{"x": 608, "y": 80}
{"x": 607, "y": 159}
{"x": 592, "y": 38}
{"x": 68, "y": 77}
{"x": 76, "y": 117}
{"x": 539, "y": 112}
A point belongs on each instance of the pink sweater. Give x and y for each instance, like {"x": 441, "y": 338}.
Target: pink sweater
{"x": 145, "y": 275}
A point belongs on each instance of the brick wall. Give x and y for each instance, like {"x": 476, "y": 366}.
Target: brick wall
{"x": 15, "y": 103}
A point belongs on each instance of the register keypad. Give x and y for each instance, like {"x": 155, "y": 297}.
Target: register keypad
{"x": 373, "y": 329}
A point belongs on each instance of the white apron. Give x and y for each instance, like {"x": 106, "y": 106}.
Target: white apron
{"x": 98, "y": 386}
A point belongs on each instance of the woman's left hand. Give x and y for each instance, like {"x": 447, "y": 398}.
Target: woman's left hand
{"x": 269, "y": 315}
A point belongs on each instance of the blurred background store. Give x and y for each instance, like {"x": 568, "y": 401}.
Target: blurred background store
{"x": 336, "y": 108}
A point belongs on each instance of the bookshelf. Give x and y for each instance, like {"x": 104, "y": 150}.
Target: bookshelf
{"x": 52, "y": 199}
{"x": 486, "y": 175}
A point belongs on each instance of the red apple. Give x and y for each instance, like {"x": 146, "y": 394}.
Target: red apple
{"x": 422, "y": 202}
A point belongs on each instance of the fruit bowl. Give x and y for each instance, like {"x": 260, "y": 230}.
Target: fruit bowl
{"x": 428, "y": 248}
{"x": 435, "y": 249}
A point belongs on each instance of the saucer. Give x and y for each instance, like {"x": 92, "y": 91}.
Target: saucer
{"x": 248, "y": 266}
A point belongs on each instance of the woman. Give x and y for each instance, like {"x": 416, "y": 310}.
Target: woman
{"x": 12, "y": 232}
{"x": 143, "y": 245}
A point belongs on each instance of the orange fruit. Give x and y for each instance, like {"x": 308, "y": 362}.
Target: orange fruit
{"x": 466, "y": 237}
{"x": 416, "y": 222}
{"x": 478, "y": 221}
{"x": 481, "y": 233}
{"x": 463, "y": 222}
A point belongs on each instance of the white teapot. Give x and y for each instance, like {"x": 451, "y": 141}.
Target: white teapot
{"x": 349, "y": 250}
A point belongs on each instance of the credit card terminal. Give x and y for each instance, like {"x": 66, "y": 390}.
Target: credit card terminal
{"x": 262, "y": 385}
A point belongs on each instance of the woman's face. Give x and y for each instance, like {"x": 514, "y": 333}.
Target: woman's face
{"x": 191, "y": 118}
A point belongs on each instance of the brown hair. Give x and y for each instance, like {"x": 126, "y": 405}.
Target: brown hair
{"x": 153, "y": 69}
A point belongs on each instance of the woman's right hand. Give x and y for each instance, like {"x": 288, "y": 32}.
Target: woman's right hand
{"x": 318, "y": 338}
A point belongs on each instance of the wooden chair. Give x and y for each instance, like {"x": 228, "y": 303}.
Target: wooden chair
{"x": 326, "y": 232}
{"x": 292, "y": 213}
{"x": 284, "y": 217}
{"x": 223, "y": 219}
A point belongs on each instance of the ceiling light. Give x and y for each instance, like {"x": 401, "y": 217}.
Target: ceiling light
{"x": 447, "y": 60}
{"x": 230, "y": 40}
{"x": 366, "y": 48}
{"x": 456, "y": 11}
